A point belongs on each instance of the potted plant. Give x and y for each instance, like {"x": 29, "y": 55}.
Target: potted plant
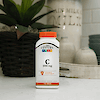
{"x": 18, "y": 50}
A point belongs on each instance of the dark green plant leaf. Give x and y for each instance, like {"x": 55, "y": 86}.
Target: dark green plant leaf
{"x": 32, "y": 11}
{"x": 25, "y": 5}
{"x": 13, "y": 2}
{"x": 39, "y": 17}
{"x": 12, "y": 10}
{"x": 19, "y": 8}
{"x": 3, "y": 8}
{"x": 5, "y": 19}
{"x": 40, "y": 26}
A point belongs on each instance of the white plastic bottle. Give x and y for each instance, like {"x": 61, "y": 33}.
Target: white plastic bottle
{"x": 47, "y": 60}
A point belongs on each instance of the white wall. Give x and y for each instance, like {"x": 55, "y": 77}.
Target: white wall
{"x": 91, "y": 19}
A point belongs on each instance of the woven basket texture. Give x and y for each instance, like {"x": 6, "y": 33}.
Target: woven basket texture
{"x": 18, "y": 56}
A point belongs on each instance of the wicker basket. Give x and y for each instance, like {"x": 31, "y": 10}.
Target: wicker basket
{"x": 18, "y": 56}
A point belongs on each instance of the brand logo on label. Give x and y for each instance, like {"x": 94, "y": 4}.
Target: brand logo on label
{"x": 48, "y": 50}
{"x": 42, "y": 72}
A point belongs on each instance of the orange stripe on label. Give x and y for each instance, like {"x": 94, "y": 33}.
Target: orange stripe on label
{"x": 47, "y": 83}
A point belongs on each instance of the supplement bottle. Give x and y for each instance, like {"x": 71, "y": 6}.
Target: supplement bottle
{"x": 47, "y": 60}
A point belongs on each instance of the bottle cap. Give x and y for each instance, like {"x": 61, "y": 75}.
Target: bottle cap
{"x": 48, "y": 34}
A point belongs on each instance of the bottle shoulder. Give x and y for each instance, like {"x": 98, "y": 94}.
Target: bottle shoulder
{"x": 53, "y": 41}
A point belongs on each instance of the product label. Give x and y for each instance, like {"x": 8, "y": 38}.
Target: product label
{"x": 47, "y": 64}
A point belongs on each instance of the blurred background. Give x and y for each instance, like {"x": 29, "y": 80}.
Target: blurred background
{"x": 90, "y": 18}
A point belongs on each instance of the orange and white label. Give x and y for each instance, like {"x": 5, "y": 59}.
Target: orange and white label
{"x": 53, "y": 84}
